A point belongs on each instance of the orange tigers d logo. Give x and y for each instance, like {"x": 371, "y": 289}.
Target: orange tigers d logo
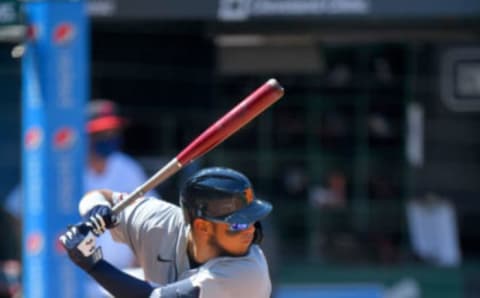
{"x": 249, "y": 195}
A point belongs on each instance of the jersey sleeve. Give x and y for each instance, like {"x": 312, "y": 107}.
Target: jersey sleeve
{"x": 234, "y": 278}
{"x": 222, "y": 278}
{"x": 146, "y": 219}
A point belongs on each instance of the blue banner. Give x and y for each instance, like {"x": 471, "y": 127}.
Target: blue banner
{"x": 54, "y": 94}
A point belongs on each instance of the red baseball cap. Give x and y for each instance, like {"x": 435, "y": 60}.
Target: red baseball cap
{"x": 103, "y": 115}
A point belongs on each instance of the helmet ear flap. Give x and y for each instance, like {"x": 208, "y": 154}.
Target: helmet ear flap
{"x": 258, "y": 235}
{"x": 186, "y": 216}
{"x": 188, "y": 213}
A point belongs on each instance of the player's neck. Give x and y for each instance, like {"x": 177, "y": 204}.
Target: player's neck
{"x": 98, "y": 164}
{"x": 198, "y": 251}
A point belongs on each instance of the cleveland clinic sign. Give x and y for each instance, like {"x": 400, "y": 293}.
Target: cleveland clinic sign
{"x": 239, "y": 10}
{"x": 245, "y": 10}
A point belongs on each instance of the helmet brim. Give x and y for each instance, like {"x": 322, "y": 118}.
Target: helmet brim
{"x": 255, "y": 211}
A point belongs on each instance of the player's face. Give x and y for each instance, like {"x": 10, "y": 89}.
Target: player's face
{"x": 232, "y": 243}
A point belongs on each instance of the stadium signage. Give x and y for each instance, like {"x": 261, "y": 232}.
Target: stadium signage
{"x": 237, "y": 10}
{"x": 8, "y": 12}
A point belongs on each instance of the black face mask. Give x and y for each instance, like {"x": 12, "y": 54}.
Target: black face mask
{"x": 106, "y": 146}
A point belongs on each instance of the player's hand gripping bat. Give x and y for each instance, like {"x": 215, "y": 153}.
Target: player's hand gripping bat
{"x": 232, "y": 121}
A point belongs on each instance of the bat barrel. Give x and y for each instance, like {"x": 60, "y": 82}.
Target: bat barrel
{"x": 239, "y": 116}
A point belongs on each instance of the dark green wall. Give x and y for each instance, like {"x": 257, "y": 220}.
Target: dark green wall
{"x": 9, "y": 120}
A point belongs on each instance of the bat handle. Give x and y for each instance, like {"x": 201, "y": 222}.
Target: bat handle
{"x": 161, "y": 175}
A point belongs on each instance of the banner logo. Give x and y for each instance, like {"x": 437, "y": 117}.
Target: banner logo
{"x": 63, "y": 33}
{"x": 63, "y": 138}
{"x": 33, "y": 138}
{"x": 32, "y": 32}
{"x": 34, "y": 243}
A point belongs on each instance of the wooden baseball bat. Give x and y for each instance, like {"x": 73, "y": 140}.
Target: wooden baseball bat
{"x": 254, "y": 104}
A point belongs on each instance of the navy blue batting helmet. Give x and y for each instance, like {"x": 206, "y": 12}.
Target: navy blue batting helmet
{"x": 222, "y": 194}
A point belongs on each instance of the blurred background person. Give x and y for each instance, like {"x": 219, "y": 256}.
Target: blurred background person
{"x": 107, "y": 167}
{"x": 333, "y": 194}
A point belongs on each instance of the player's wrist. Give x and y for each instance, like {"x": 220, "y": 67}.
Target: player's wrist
{"x": 116, "y": 197}
{"x": 93, "y": 259}
{"x": 91, "y": 200}
{"x": 80, "y": 243}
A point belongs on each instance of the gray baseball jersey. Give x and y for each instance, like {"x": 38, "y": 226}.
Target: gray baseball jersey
{"x": 157, "y": 234}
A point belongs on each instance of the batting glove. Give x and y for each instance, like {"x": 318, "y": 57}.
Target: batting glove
{"x": 100, "y": 218}
{"x": 80, "y": 243}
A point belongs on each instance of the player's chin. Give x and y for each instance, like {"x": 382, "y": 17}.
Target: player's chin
{"x": 240, "y": 253}
{"x": 243, "y": 248}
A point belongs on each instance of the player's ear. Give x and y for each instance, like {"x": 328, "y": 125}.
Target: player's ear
{"x": 202, "y": 226}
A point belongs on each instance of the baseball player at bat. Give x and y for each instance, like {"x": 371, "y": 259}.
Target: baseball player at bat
{"x": 206, "y": 247}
